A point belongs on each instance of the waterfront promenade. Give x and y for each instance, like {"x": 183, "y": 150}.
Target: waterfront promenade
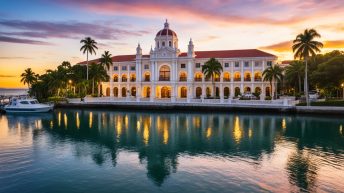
{"x": 229, "y": 105}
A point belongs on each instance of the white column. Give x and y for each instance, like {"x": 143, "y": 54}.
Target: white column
{"x": 232, "y": 91}
{"x": 153, "y": 78}
{"x": 242, "y": 77}
{"x": 111, "y": 82}
{"x": 221, "y": 94}
{"x": 138, "y": 93}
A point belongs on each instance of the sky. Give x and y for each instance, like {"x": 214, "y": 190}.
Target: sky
{"x": 41, "y": 34}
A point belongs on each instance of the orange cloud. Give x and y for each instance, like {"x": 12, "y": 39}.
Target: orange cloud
{"x": 334, "y": 44}
{"x": 279, "y": 47}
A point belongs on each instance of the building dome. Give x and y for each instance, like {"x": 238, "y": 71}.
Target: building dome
{"x": 166, "y": 31}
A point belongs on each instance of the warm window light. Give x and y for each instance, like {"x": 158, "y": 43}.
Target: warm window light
{"x": 70, "y": 81}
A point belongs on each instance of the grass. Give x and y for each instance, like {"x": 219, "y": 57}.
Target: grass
{"x": 332, "y": 103}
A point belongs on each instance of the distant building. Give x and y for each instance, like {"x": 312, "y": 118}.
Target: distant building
{"x": 168, "y": 74}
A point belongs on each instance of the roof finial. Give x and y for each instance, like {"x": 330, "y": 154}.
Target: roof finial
{"x": 166, "y": 24}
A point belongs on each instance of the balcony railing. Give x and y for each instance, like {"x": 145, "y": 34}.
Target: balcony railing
{"x": 132, "y": 79}
{"x": 124, "y": 80}
{"x": 198, "y": 79}
{"x": 115, "y": 79}
{"x": 182, "y": 79}
{"x": 237, "y": 79}
{"x": 258, "y": 79}
{"x": 226, "y": 79}
{"x": 146, "y": 80}
{"x": 207, "y": 79}
{"x": 247, "y": 79}
{"x": 161, "y": 78}
{"x": 217, "y": 79}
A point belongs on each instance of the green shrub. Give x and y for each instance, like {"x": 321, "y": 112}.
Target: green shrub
{"x": 268, "y": 98}
{"x": 57, "y": 99}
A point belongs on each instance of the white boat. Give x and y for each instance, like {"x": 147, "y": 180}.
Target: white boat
{"x": 26, "y": 105}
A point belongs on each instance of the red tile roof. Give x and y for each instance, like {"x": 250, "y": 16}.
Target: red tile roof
{"x": 200, "y": 54}
{"x": 230, "y": 54}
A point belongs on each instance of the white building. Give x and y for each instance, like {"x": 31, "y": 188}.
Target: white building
{"x": 167, "y": 74}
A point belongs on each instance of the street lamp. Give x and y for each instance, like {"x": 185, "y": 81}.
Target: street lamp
{"x": 343, "y": 89}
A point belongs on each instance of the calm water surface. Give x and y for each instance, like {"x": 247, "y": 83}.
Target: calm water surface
{"x": 108, "y": 151}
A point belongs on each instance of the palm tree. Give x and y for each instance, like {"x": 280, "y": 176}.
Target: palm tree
{"x": 105, "y": 61}
{"x": 211, "y": 69}
{"x": 273, "y": 74}
{"x": 89, "y": 46}
{"x": 28, "y": 77}
{"x": 305, "y": 46}
{"x": 98, "y": 74}
{"x": 293, "y": 73}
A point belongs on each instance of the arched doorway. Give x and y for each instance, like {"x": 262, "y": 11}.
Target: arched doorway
{"x": 164, "y": 73}
{"x": 267, "y": 91}
{"x": 198, "y": 92}
{"x": 226, "y": 92}
{"x": 208, "y": 92}
{"x": 165, "y": 92}
{"x": 236, "y": 91}
{"x": 124, "y": 92}
{"x": 115, "y": 91}
{"x": 217, "y": 92}
{"x": 247, "y": 89}
{"x": 107, "y": 91}
{"x": 183, "y": 92}
{"x": 133, "y": 91}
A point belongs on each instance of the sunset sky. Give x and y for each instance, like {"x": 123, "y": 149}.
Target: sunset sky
{"x": 40, "y": 34}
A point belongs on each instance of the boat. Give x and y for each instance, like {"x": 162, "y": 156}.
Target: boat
{"x": 27, "y": 105}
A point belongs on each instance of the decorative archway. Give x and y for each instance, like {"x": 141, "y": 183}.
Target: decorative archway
{"x": 217, "y": 92}
{"x": 257, "y": 76}
{"x": 124, "y": 78}
{"x": 258, "y": 90}
{"x": 107, "y": 91}
{"x": 247, "y": 89}
{"x": 124, "y": 92}
{"x": 132, "y": 77}
{"x": 226, "y": 77}
{"x": 183, "y": 92}
{"x": 146, "y": 92}
{"x": 208, "y": 92}
{"x": 268, "y": 91}
{"x": 133, "y": 91}
{"x": 198, "y": 92}
{"x": 236, "y": 91}
{"x": 198, "y": 77}
{"x": 165, "y": 92}
{"x": 115, "y": 91}
{"x": 247, "y": 76}
{"x": 226, "y": 92}
{"x": 237, "y": 76}
{"x": 147, "y": 77}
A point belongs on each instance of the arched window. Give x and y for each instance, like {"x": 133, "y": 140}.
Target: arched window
{"x": 124, "y": 92}
{"x": 217, "y": 78}
{"x": 115, "y": 91}
{"x": 147, "y": 77}
{"x": 124, "y": 78}
{"x": 198, "y": 77}
{"x": 198, "y": 92}
{"x": 226, "y": 77}
{"x": 237, "y": 76}
{"x": 132, "y": 78}
{"x": 182, "y": 77}
{"x": 247, "y": 76}
{"x": 164, "y": 73}
{"x": 226, "y": 92}
{"x": 163, "y": 44}
{"x": 170, "y": 43}
{"x": 257, "y": 76}
{"x": 115, "y": 78}
{"x": 133, "y": 91}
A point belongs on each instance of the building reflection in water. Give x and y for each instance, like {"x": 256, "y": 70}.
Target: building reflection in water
{"x": 160, "y": 138}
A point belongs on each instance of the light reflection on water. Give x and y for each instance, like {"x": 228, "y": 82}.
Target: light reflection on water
{"x": 170, "y": 152}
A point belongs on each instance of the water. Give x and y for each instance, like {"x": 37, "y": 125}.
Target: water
{"x": 108, "y": 151}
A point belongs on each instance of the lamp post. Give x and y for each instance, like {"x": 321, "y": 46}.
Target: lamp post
{"x": 343, "y": 89}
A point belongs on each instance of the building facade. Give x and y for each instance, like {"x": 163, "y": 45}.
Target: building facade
{"x": 167, "y": 74}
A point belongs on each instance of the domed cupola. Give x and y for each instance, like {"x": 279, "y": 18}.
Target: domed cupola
{"x": 166, "y": 38}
